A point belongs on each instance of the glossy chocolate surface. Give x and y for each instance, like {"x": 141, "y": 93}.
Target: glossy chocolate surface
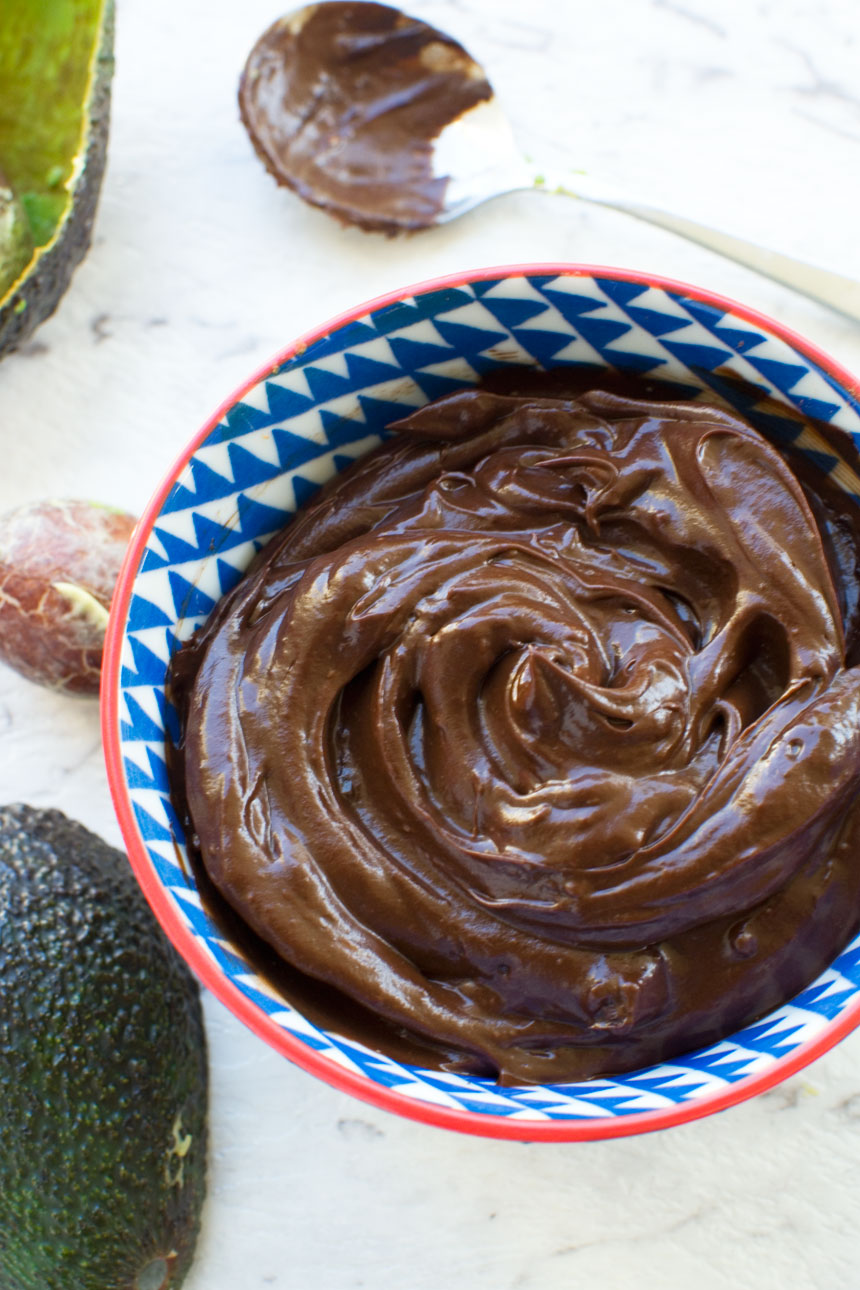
{"x": 343, "y": 103}
{"x": 536, "y": 736}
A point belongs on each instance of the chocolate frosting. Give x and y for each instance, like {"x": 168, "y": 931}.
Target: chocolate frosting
{"x": 343, "y": 103}
{"x": 534, "y": 735}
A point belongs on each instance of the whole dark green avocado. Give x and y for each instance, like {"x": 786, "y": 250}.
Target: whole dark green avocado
{"x": 56, "y": 64}
{"x": 103, "y": 1071}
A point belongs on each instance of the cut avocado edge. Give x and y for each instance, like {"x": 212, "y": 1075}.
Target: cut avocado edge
{"x": 56, "y": 65}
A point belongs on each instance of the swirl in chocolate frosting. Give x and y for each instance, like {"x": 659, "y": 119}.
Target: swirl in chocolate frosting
{"x": 534, "y": 734}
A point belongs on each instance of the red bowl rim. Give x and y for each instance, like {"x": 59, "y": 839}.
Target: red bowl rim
{"x": 208, "y": 971}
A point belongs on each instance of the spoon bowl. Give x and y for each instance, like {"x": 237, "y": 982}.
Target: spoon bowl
{"x": 389, "y": 123}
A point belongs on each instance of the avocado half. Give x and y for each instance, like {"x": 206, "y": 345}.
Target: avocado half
{"x": 56, "y": 64}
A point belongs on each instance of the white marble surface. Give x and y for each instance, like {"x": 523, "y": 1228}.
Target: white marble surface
{"x": 745, "y": 112}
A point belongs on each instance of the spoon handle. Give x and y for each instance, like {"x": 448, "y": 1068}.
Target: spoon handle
{"x": 829, "y": 288}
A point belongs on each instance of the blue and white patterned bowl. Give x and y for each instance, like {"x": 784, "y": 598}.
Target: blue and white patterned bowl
{"x": 325, "y": 401}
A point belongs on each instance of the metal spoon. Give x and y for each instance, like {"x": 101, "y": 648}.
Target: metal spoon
{"x": 485, "y": 133}
{"x": 389, "y": 123}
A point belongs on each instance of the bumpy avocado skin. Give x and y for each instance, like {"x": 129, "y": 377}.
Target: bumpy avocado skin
{"x": 39, "y": 292}
{"x": 103, "y": 1071}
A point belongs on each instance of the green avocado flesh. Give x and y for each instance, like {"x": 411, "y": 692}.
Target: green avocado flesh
{"x": 16, "y": 238}
{"x": 56, "y": 63}
{"x": 103, "y": 1071}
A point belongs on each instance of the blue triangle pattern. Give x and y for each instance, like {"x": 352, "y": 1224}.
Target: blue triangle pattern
{"x": 385, "y": 1074}
{"x": 152, "y": 560}
{"x": 627, "y": 362}
{"x": 484, "y": 363}
{"x": 783, "y": 375}
{"x": 699, "y": 358}
{"x": 821, "y": 998}
{"x": 470, "y": 1098}
{"x": 242, "y": 419}
{"x": 197, "y": 919}
{"x": 432, "y": 303}
{"x": 553, "y": 1111}
{"x": 175, "y": 822}
{"x": 177, "y": 550}
{"x": 378, "y": 413}
{"x": 823, "y": 460}
{"x": 746, "y": 399}
{"x": 774, "y": 427}
{"x": 848, "y": 962}
{"x": 293, "y": 449}
{"x": 469, "y": 340}
{"x": 370, "y": 371}
{"x": 619, "y": 291}
{"x": 188, "y": 601}
{"x": 619, "y": 1103}
{"x": 212, "y": 536}
{"x": 512, "y": 312}
{"x": 540, "y": 281}
{"x": 654, "y": 1080}
{"x": 143, "y": 613}
{"x": 354, "y": 333}
{"x": 140, "y": 727}
{"x": 228, "y": 576}
{"x": 249, "y": 469}
{"x": 207, "y": 486}
{"x": 741, "y": 395}
{"x": 817, "y": 409}
{"x": 152, "y": 830}
{"x": 304, "y": 489}
{"x": 544, "y": 345}
{"x": 481, "y": 288}
{"x": 572, "y": 305}
{"x": 229, "y": 959}
{"x": 404, "y": 313}
{"x": 709, "y": 315}
{"x": 148, "y": 669}
{"x": 600, "y": 332}
{"x": 740, "y": 339}
{"x": 340, "y": 430}
{"x": 655, "y": 323}
{"x": 729, "y": 1069}
{"x": 851, "y": 397}
{"x": 170, "y": 720}
{"x": 397, "y": 317}
{"x": 258, "y": 519}
{"x": 158, "y": 771}
{"x": 325, "y": 386}
{"x": 435, "y": 386}
{"x": 413, "y": 354}
{"x": 285, "y": 403}
{"x": 757, "y": 1037}
{"x": 137, "y": 777}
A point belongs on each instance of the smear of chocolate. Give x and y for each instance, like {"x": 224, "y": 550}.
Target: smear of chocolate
{"x": 343, "y": 103}
{"x": 534, "y": 737}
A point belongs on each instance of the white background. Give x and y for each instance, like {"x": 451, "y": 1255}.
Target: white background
{"x": 745, "y": 112}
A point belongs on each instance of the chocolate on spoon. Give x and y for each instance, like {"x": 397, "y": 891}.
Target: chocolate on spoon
{"x": 388, "y": 123}
{"x": 346, "y": 103}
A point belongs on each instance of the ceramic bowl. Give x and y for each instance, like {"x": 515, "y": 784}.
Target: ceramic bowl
{"x": 323, "y": 402}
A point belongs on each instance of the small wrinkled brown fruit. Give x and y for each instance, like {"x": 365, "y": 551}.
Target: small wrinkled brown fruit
{"x": 59, "y": 562}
